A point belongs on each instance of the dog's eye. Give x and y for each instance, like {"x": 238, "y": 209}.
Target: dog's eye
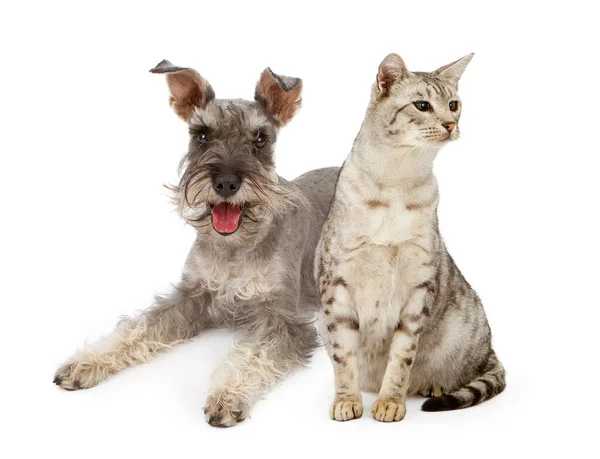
{"x": 422, "y": 105}
{"x": 453, "y": 105}
{"x": 200, "y": 134}
{"x": 260, "y": 141}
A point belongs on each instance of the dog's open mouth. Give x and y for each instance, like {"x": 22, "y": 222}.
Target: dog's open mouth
{"x": 226, "y": 217}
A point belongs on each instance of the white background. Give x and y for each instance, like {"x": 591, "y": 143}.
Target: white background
{"x": 87, "y": 233}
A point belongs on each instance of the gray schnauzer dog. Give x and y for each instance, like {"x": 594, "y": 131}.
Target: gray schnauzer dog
{"x": 251, "y": 265}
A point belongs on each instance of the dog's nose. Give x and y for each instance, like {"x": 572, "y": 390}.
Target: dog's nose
{"x": 226, "y": 184}
{"x": 449, "y": 126}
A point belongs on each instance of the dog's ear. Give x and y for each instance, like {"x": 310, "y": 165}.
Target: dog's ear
{"x": 281, "y": 96}
{"x": 188, "y": 89}
{"x": 391, "y": 70}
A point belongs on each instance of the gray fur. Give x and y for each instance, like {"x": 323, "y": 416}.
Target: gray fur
{"x": 258, "y": 278}
{"x": 398, "y": 317}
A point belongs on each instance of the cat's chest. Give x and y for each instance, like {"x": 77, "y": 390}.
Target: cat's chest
{"x": 383, "y": 213}
{"x": 388, "y": 223}
{"x": 381, "y": 220}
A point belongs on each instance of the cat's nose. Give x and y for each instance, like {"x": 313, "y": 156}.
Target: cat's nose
{"x": 449, "y": 126}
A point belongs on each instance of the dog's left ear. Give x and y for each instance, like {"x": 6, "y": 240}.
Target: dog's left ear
{"x": 188, "y": 89}
{"x": 455, "y": 70}
{"x": 281, "y": 96}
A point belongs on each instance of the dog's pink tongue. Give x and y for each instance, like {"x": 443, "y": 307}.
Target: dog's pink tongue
{"x": 225, "y": 217}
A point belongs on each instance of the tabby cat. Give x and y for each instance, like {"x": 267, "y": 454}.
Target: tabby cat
{"x": 398, "y": 317}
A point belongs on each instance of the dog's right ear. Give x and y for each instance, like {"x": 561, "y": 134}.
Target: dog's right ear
{"x": 188, "y": 89}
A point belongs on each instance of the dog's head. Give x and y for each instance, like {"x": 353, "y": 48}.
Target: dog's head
{"x": 228, "y": 184}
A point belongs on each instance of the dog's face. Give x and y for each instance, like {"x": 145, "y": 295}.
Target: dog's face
{"x": 228, "y": 186}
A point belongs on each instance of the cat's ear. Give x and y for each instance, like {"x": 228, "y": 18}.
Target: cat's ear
{"x": 280, "y": 96}
{"x": 454, "y": 70}
{"x": 188, "y": 89}
{"x": 391, "y": 70}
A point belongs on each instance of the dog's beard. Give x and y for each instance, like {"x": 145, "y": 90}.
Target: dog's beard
{"x": 260, "y": 199}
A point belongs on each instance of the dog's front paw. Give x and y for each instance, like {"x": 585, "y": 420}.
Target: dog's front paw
{"x": 224, "y": 409}
{"x": 79, "y": 375}
{"x": 346, "y": 410}
{"x": 388, "y": 411}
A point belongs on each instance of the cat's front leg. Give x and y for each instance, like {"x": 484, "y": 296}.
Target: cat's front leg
{"x": 340, "y": 330}
{"x": 391, "y": 402}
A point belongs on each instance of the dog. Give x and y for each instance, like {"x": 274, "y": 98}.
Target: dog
{"x": 251, "y": 264}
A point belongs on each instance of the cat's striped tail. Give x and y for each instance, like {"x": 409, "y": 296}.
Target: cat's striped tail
{"x": 491, "y": 382}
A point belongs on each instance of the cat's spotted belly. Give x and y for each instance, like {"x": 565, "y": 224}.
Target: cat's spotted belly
{"x": 373, "y": 358}
{"x": 377, "y": 291}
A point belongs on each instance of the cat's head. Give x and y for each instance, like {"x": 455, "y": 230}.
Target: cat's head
{"x": 416, "y": 108}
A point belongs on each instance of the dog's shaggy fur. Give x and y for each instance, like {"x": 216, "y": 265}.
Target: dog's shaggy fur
{"x": 257, "y": 277}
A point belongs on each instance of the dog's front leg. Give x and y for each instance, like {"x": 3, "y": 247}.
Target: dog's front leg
{"x": 172, "y": 320}
{"x": 253, "y": 366}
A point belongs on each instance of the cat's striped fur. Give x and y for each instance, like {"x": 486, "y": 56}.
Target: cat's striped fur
{"x": 398, "y": 317}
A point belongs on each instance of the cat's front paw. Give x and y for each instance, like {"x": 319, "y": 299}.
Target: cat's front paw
{"x": 224, "y": 409}
{"x": 388, "y": 411}
{"x": 346, "y": 410}
{"x": 79, "y": 375}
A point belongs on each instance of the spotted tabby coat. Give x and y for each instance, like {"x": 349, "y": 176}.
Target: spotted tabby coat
{"x": 398, "y": 317}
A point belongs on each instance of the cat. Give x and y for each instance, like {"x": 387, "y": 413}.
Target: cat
{"x": 398, "y": 317}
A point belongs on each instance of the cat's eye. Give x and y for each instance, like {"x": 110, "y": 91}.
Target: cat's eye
{"x": 260, "y": 141}
{"x": 422, "y": 105}
{"x": 453, "y": 105}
